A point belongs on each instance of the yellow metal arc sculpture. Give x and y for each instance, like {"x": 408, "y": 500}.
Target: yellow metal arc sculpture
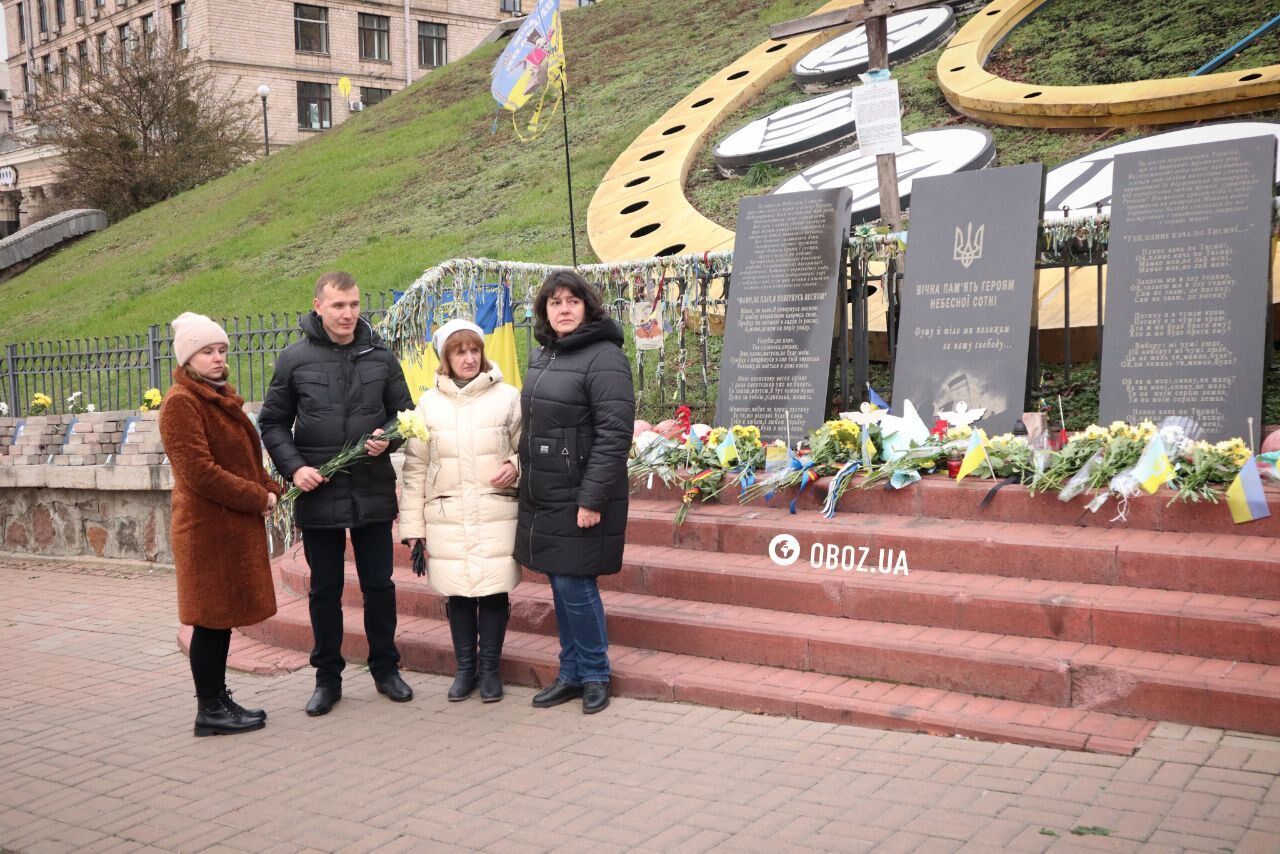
{"x": 640, "y": 209}
{"x": 979, "y": 94}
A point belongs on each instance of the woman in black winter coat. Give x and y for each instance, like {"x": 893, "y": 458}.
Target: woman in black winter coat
{"x": 578, "y": 408}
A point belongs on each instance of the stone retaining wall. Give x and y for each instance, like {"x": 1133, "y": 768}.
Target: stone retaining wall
{"x": 96, "y": 484}
{"x": 100, "y": 510}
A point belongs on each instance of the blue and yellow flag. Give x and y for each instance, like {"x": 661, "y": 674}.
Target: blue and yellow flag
{"x": 1154, "y": 469}
{"x": 727, "y": 450}
{"x": 876, "y": 400}
{"x": 973, "y": 455}
{"x": 532, "y": 66}
{"x": 1245, "y": 497}
{"x": 491, "y": 310}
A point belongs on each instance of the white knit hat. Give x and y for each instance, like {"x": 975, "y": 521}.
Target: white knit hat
{"x": 192, "y": 333}
{"x": 456, "y": 325}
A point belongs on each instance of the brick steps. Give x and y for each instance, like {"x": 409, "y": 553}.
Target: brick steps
{"x": 531, "y": 659}
{"x": 1022, "y": 621}
{"x": 1225, "y": 564}
{"x": 1177, "y": 622}
{"x": 253, "y": 656}
{"x": 1065, "y": 674}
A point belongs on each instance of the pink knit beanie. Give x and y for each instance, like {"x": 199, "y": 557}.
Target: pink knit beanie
{"x": 192, "y": 333}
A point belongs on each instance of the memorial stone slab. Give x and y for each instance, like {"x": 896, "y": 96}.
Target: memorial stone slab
{"x": 968, "y": 293}
{"x": 1189, "y": 285}
{"x": 781, "y": 312}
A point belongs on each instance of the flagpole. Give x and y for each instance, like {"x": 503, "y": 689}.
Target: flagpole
{"x": 568, "y": 171}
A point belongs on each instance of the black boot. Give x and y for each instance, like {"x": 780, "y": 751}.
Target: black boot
{"x": 493, "y": 630}
{"x": 462, "y": 627}
{"x": 215, "y": 716}
{"x": 236, "y": 707}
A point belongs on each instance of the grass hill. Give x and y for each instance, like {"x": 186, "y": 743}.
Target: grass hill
{"x": 396, "y": 189}
{"x": 420, "y": 178}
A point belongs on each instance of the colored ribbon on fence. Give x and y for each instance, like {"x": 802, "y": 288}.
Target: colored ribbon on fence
{"x": 837, "y": 484}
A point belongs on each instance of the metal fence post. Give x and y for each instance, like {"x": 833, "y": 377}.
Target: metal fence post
{"x": 153, "y": 355}
{"x": 11, "y": 369}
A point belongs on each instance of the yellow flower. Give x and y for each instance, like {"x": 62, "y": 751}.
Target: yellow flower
{"x": 1236, "y": 449}
{"x": 845, "y": 432}
{"x": 749, "y": 435}
{"x": 716, "y": 436}
{"x": 410, "y": 426}
{"x": 1094, "y": 431}
{"x": 41, "y": 399}
{"x": 1118, "y": 428}
{"x": 964, "y": 431}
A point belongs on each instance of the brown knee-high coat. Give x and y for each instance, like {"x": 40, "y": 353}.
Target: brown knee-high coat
{"x": 219, "y": 494}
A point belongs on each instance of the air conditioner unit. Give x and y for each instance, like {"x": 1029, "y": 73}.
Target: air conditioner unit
{"x": 356, "y": 106}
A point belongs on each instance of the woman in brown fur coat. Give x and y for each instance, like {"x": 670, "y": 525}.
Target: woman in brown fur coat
{"x": 220, "y": 495}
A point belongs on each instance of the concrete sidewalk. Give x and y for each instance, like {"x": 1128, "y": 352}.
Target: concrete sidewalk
{"x": 96, "y": 753}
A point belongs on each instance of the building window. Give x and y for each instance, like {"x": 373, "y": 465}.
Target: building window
{"x": 432, "y": 45}
{"x": 315, "y": 107}
{"x": 79, "y": 7}
{"x": 310, "y": 28}
{"x": 370, "y": 96}
{"x": 99, "y": 3}
{"x": 178, "y": 11}
{"x": 102, "y": 53}
{"x": 82, "y": 59}
{"x": 510, "y": 6}
{"x": 149, "y": 34}
{"x": 60, "y": 12}
{"x": 375, "y": 37}
{"x": 64, "y": 68}
{"x": 42, "y": 16}
{"x": 26, "y": 81}
{"x": 46, "y": 69}
{"x": 22, "y": 24}
{"x": 126, "y": 39}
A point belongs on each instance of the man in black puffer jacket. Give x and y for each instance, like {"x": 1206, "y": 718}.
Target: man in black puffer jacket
{"x": 334, "y": 386}
{"x": 579, "y": 411}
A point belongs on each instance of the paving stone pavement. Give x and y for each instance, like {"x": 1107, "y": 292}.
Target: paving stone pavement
{"x": 96, "y": 754}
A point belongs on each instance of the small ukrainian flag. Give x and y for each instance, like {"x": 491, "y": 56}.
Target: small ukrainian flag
{"x": 1245, "y": 497}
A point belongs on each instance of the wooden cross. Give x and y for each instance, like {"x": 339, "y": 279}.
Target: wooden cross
{"x": 874, "y": 14}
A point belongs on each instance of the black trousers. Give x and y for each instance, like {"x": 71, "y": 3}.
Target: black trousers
{"x": 325, "y": 550}
{"x": 208, "y": 656}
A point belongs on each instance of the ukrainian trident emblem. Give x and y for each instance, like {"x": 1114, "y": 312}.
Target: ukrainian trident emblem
{"x": 969, "y": 245}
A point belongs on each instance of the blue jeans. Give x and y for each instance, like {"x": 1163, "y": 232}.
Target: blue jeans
{"x": 584, "y": 641}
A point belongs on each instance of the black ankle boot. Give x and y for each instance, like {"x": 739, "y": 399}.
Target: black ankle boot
{"x": 236, "y": 707}
{"x": 493, "y": 631}
{"x": 462, "y": 627}
{"x": 215, "y": 716}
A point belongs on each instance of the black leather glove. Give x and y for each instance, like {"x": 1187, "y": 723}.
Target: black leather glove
{"x": 419, "y": 559}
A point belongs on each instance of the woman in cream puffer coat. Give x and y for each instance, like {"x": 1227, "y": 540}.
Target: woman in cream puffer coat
{"x": 460, "y": 499}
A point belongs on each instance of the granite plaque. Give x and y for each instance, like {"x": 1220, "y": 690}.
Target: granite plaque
{"x": 781, "y": 313}
{"x": 1188, "y": 289}
{"x": 968, "y": 293}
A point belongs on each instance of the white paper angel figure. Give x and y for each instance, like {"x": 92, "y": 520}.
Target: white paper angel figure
{"x": 866, "y": 414}
{"x": 962, "y": 415}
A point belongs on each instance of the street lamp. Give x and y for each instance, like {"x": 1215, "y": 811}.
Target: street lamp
{"x": 263, "y": 92}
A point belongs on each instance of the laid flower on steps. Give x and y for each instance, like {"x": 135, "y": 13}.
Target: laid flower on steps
{"x": 40, "y": 403}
